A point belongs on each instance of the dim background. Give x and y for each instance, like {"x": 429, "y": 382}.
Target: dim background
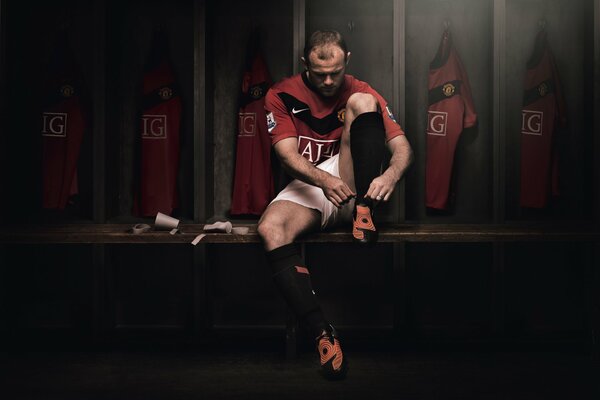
{"x": 512, "y": 295}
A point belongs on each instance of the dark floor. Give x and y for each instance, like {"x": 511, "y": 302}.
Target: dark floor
{"x": 250, "y": 374}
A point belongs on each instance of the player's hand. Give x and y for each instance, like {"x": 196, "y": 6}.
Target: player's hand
{"x": 381, "y": 188}
{"x": 337, "y": 191}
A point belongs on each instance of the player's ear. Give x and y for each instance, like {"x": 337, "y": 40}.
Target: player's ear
{"x": 348, "y": 54}
{"x": 304, "y": 62}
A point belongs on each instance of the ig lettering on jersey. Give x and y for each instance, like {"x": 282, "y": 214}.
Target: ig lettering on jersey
{"x": 54, "y": 124}
{"x": 532, "y": 122}
{"x": 436, "y": 123}
{"x": 154, "y": 126}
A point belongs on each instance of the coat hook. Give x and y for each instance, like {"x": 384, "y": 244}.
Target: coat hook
{"x": 351, "y": 25}
{"x": 542, "y": 23}
{"x": 446, "y": 24}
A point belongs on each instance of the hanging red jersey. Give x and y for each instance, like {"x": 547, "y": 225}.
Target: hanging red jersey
{"x": 295, "y": 109}
{"x": 450, "y": 110}
{"x": 543, "y": 110}
{"x": 63, "y": 124}
{"x": 159, "y": 132}
{"x": 253, "y": 182}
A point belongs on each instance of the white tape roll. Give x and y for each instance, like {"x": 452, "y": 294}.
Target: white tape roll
{"x": 140, "y": 228}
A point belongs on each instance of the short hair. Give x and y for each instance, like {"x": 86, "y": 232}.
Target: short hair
{"x": 323, "y": 39}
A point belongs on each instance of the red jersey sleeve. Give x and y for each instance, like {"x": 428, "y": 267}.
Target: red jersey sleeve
{"x": 279, "y": 122}
{"x": 470, "y": 116}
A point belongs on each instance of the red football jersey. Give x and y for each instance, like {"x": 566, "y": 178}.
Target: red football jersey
{"x": 159, "y": 131}
{"x": 295, "y": 109}
{"x": 450, "y": 110}
{"x": 543, "y": 110}
{"x": 63, "y": 125}
{"x": 253, "y": 182}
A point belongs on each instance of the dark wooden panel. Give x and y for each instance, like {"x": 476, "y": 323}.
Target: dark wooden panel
{"x": 150, "y": 287}
{"x": 31, "y": 33}
{"x": 499, "y": 112}
{"x": 99, "y": 111}
{"x": 119, "y": 233}
{"x": 241, "y": 288}
{"x": 273, "y": 19}
{"x": 596, "y": 111}
{"x": 203, "y": 106}
{"x": 353, "y": 284}
{"x": 471, "y": 25}
{"x": 4, "y": 309}
{"x": 48, "y": 287}
{"x": 566, "y": 26}
{"x": 450, "y": 290}
{"x": 545, "y": 296}
{"x": 130, "y": 28}
{"x": 3, "y": 105}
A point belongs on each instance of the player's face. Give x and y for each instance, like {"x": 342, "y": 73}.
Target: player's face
{"x": 327, "y": 75}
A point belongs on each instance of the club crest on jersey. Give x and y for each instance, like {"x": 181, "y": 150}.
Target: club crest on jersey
{"x": 532, "y": 123}
{"x": 154, "y": 126}
{"x": 543, "y": 89}
{"x": 316, "y": 150}
{"x": 247, "y": 124}
{"x": 448, "y": 89}
{"x": 54, "y": 124}
{"x": 436, "y": 123}
{"x": 341, "y": 115}
{"x": 390, "y": 114}
{"x": 165, "y": 93}
{"x": 67, "y": 91}
{"x": 271, "y": 124}
{"x": 256, "y": 92}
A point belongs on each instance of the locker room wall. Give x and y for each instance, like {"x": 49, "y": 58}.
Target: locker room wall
{"x": 3, "y": 105}
{"x": 471, "y": 27}
{"x": 150, "y": 290}
{"x": 567, "y": 25}
{"x": 234, "y": 21}
{"x": 30, "y": 39}
{"x": 130, "y": 28}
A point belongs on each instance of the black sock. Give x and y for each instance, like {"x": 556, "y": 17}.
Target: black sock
{"x": 293, "y": 280}
{"x": 367, "y": 145}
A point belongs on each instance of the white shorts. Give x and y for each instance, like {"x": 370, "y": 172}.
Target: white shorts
{"x": 313, "y": 197}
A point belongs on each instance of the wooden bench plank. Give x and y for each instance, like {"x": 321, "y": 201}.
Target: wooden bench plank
{"x": 121, "y": 233}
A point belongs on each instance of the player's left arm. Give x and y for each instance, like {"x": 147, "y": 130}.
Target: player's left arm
{"x": 402, "y": 156}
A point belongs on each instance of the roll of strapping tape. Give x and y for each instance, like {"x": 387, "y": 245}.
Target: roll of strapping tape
{"x": 140, "y": 228}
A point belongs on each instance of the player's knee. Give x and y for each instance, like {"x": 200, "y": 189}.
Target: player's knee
{"x": 272, "y": 232}
{"x": 360, "y": 103}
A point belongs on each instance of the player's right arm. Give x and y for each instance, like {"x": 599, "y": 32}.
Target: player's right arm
{"x": 284, "y": 138}
{"x": 300, "y": 168}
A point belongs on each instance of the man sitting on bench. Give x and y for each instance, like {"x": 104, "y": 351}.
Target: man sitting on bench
{"x": 329, "y": 130}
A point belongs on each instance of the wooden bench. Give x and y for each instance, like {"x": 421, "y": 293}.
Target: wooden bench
{"x": 122, "y": 234}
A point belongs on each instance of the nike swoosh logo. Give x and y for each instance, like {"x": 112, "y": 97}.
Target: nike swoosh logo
{"x": 294, "y": 111}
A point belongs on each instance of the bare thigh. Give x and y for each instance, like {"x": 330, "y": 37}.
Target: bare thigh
{"x": 283, "y": 221}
